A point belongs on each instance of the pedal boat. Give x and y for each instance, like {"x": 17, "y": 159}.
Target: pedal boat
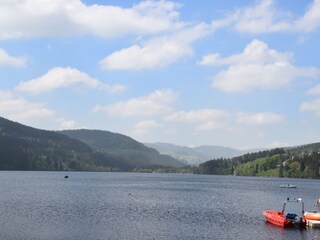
{"x": 315, "y": 214}
{"x": 285, "y": 219}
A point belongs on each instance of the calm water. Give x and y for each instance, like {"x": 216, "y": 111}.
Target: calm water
{"x": 44, "y": 205}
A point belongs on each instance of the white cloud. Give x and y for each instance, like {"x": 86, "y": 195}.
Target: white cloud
{"x": 311, "y": 19}
{"x": 157, "y": 52}
{"x": 255, "y": 52}
{"x": 31, "y": 113}
{"x": 156, "y": 103}
{"x": 37, "y": 18}
{"x": 315, "y": 90}
{"x": 115, "y": 88}
{"x": 144, "y": 127}
{"x": 63, "y": 77}
{"x": 40, "y": 18}
{"x": 67, "y": 124}
{"x": 259, "y": 118}
{"x": 265, "y": 17}
{"x": 205, "y": 119}
{"x": 311, "y": 106}
{"x": 261, "y": 18}
{"x": 194, "y": 116}
{"x": 7, "y": 60}
{"x": 22, "y": 110}
{"x": 212, "y": 125}
{"x": 257, "y": 67}
{"x": 278, "y": 144}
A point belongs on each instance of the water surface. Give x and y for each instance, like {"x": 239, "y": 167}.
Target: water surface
{"x": 45, "y": 205}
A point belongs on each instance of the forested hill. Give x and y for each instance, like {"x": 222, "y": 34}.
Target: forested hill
{"x": 27, "y": 148}
{"x": 297, "y": 162}
{"x": 131, "y": 150}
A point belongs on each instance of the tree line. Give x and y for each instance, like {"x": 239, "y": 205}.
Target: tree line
{"x": 274, "y": 163}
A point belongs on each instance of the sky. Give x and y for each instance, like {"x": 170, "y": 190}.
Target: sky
{"x": 242, "y": 74}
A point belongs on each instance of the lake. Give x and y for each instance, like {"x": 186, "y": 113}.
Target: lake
{"x": 45, "y": 205}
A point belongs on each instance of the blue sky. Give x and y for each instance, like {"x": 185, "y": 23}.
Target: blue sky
{"x": 243, "y": 74}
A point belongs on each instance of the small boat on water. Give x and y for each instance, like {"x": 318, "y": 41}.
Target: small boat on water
{"x": 315, "y": 214}
{"x": 288, "y": 186}
{"x": 285, "y": 219}
{"x": 312, "y": 216}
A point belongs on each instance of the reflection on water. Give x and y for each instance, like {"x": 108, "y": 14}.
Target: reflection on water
{"x": 45, "y": 205}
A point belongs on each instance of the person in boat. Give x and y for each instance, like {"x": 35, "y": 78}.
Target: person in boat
{"x": 317, "y": 205}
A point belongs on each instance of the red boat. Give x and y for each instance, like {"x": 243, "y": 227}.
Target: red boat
{"x": 284, "y": 219}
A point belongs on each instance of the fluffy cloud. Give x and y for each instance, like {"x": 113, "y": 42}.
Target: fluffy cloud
{"x": 278, "y": 144}
{"x": 156, "y": 103}
{"x": 256, "y": 51}
{"x": 202, "y": 115}
{"x": 261, "y": 18}
{"x": 22, "y": 110}
{"x": 265, "y": 17}
{"x": 311, "y": 106}
{"x": 31, "y": 113}
{"x": 36, "y": 18}
{"x": 157, "y": 52}
{"x": 259, "y": 118}
{"x": 205, "y": 119}
{"x": 7, "y": 60}
{"x": 257, "y": 67}
{"x": 63, "y": 77}
{"x": 145, "y": 126}
{"x": 315, "y": 90}
{"x": 311, "y": 19}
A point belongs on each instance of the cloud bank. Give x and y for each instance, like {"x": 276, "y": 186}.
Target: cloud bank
{"x": 28, "y": 112}
{"x": 156, "y": 103}
{"x": 257, "y": 67}
{"x": 259, "y": 118}
{"x": 42, "y": 18}
{"x": 264, "y": 17}
{"x": 157, "y": 52}
{"x": 63, "y": 77}
{"x": 7, "y": 60}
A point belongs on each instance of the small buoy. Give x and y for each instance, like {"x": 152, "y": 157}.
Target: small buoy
{"x": 66, "y": 176}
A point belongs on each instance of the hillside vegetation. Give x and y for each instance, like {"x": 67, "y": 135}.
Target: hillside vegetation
{"x": 298, "y": 162}
{"x": 135, "y": 153}
{"x": 27, "y": 148}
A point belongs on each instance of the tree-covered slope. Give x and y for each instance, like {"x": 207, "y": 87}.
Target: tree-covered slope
{"x": 296, "y": 162}
{"x": 27, "y": 148}
{"x": 135, "y": 153}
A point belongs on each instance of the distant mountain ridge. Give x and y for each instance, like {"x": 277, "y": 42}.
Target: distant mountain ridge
{"x": 196, "y": 155}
